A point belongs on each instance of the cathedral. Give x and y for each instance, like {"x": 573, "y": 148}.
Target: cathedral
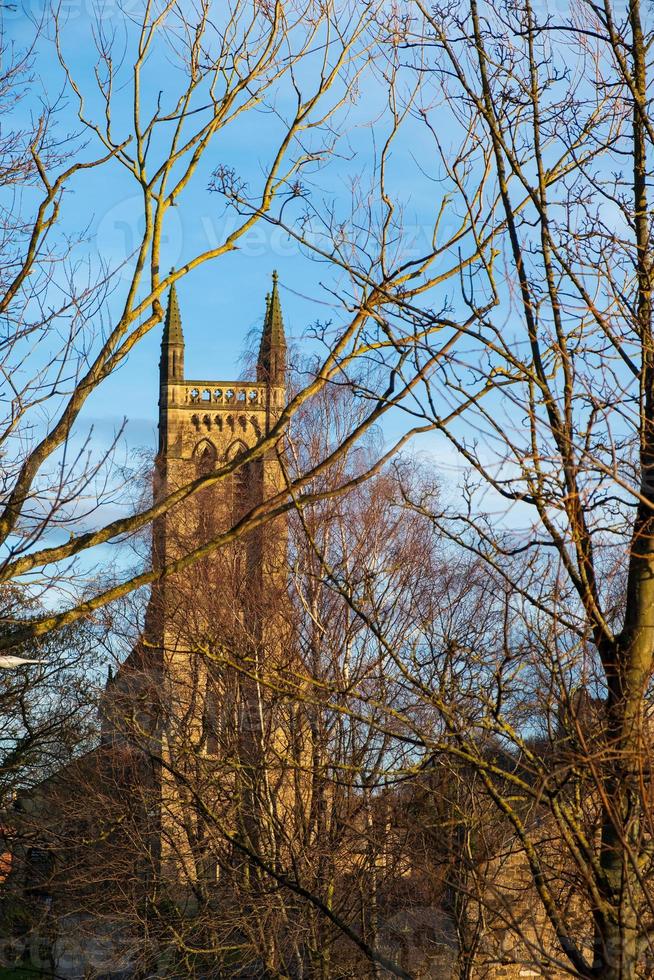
{"x": 197, "y": 770}
{"x": 213, "y": 831}
{"x": 193, "y": 694}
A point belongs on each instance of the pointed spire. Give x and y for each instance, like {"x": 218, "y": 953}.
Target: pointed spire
{"x": 171, "y": 365}
{"x": 277, "y": 337}
{"x": 173, "y": 325}
{"x": 271, "y": 365}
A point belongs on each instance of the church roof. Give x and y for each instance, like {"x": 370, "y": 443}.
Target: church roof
{"x": 173, "y": 324}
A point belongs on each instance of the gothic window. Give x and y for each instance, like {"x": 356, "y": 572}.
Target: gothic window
{"x": 205, "y": 461}
{"x": 235, "y": 449}
{"x": 240, "y": 481}
{"x": 205, "y": 456}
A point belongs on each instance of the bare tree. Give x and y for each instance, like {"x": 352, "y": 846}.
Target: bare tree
{"x": 525, "y": 656}
{"x": 541, "y": 386}
{"x": 298, "y": 62}
{"x": 561, "y": 439}
{"x": 272, "y": 827}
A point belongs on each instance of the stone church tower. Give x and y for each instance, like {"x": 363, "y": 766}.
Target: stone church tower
{"x": 193, "y": 691}
{"x": 203, "y": 425}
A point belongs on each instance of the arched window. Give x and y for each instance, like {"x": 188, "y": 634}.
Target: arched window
{"x": 235, "y": 449}
{"x": 205, "y": 457}
{"x": 241, "y": 479}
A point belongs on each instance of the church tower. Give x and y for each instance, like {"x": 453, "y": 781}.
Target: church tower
{"x": 191, "y": 690}
{"x": 204, "y": 424}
